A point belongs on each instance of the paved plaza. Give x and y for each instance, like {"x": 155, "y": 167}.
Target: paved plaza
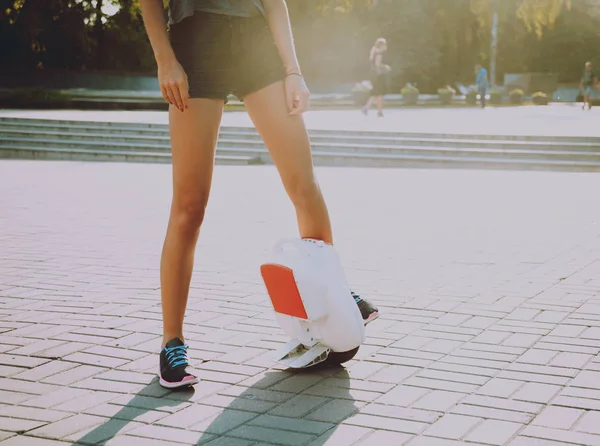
{"x": 488, "y": 282}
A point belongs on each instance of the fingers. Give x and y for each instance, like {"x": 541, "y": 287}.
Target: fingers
{"x": 301, "y": 103}
{"x": 177, "y": 94}
{"x": 290, "y": 99}
{"x": 166, "y": 94}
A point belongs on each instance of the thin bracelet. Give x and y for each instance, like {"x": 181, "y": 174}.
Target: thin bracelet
{"x": 297, "y": 73}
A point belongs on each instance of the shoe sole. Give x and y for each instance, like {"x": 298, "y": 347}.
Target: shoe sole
{"x": 177, "y": 385}
{"x": 371, "y": 317}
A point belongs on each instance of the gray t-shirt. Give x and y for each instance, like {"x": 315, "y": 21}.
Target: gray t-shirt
{"x": 180, "y": 9}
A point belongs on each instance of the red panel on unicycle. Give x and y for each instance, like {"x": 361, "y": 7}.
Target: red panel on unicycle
{"x": 283, "y": 291}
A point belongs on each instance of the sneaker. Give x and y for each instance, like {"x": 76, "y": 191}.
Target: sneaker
{"x": 173, "y": 365}
{"x": 368, "y": 311}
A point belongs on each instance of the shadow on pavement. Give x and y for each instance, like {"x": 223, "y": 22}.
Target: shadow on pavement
{"x": 244, "y": 418}
{"x": 144, "y": 401}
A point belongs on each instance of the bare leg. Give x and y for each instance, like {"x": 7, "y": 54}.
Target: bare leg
{"x": 368, "y": 105}
{"x": 380, "y": 105}
{"x": 287, "y": 140}
{"x": 193, "y": 139}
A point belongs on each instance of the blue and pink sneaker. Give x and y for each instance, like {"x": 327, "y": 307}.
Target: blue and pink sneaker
{"x": 173, "y": 366}
{"x": 368, "y": 311}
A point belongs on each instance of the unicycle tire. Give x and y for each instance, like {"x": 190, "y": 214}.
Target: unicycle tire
{"x": 338, "y": 358}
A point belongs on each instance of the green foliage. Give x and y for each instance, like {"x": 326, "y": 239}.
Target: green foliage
{"x": 430, "y": 42}
{"x": 409, "y": 89}
{"x": 447, "y": 90}
{"x": 540, "y": 98}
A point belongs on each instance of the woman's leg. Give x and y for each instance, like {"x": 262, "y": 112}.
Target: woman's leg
{"x": 380, "y": 105}
{"x": 193, "y": 139}
{"x": 287, "y": 140}
{"x": 368, "y": 105}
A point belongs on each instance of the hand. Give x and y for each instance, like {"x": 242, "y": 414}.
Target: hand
{"x": 296, "y": 94}
{"x": 173, "y": 84}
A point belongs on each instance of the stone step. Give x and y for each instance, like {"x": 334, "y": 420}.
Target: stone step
{"x": 321, "y": 159}
{"x": 152, "y": 128}
{"x": 258, "y": 149}
{"x": 234, "y": 138}
{"x": 8, "y": 151}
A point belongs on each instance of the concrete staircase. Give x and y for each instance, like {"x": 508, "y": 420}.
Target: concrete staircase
{"x": 111, "y": 141}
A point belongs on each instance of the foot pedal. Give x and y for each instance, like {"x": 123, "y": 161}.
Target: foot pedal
{"x": 296, "y": 356}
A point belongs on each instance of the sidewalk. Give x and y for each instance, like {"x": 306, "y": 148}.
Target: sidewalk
{"x": 553, "y": 120}
{"x": 487, "y": 282}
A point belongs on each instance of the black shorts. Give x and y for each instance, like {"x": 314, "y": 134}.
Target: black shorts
{"x": 224, "y": 55}
{"x": 379, "y": 82}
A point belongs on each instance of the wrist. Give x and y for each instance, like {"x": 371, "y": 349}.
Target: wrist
{"x": 292, "y": 69}
{"x": 164, "y": 58}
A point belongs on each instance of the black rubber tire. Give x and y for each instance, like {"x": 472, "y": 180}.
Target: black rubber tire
{"x": 337, "y": 358}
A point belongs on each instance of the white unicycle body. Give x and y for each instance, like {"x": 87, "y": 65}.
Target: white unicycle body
{"x": 312, "y": 303}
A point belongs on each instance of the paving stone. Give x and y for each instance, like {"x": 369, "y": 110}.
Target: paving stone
{"x": 190, "y": 416}
{"x": 521, "y": 340}
{"x": 492, "y": 413}
{"x": 45, "y": 370}
{"x": 33, "y": 414}
{"x": 576, "y": 360}
{"x": 501, "y": 403}
{"x": 229, "y": 441}
{"x": 494, "y": 432}
{"x": 18, "y": 425}
{"x": 57, "y": 397}
{"x": 536, "y": 356}
{"x": 104, "y": 432}
{"x": 97, "y": 360}
{"x": 74, "y": 375}
{"x": 393, "y": 374}
{"x": 384, "y": 437}
{"x": 168, "y": 434}
{"x": 452, "y": 427}
{"x": 587, "y": 379}
{"x": 402, "y": 413}
{"x": 402, "y": 395}
{"x": 589, "y": 423}
{"x": 547, "y": 433}
{"x": 63, "y": 428}
{"x": 292, "y": 424}
{"x": 432, "y": 441}
{"x": 537, "y": 393}
{"x": 335, "y": 411}
{"x": 22, "y": 440}
{"x": 341, "y": 435}
{"x": 499, "y": 387}
{"x": 439, "y": 400}
{"x": 271, "y": 435}
{"x": 298, "y": 406}
{"x": 128, "y": 440}
{"x": 528, "y": 441}
{"x": 558, "y": 417}
{"x": 223, "y": 422}
{"x": 391, "y": 424}
{"x": 86, "y": 401}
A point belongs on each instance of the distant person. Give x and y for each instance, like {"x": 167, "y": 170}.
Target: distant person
{"x": 589, "y": 80}
{"x": 379, "y": 76}
{"x": 482, "y": 83}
